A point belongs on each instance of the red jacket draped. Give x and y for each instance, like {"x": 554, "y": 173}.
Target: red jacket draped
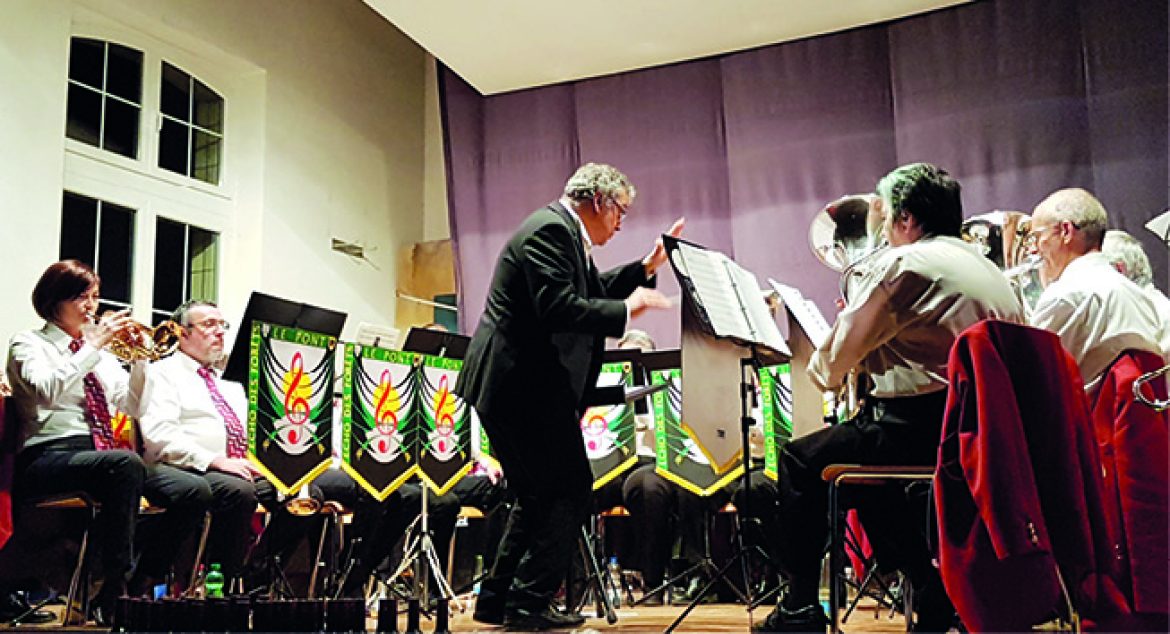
{"x": 1133, "y": 443}
{"x": 1018, "y": 485}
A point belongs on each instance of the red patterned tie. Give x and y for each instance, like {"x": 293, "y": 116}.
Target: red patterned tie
{"x": 237, "y": 439}
{"x": 97, "y": 410}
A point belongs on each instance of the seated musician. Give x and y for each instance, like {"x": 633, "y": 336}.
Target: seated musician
{"x": 1097, "y": 312}
{"x": 63, "y": 387}
{"x": 196, "y": 443}
{"x": 1126, "y": 255}
{"x": 898, "y": 325}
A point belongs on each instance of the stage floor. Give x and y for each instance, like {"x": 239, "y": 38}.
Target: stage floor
{"x": 716, "y": 617}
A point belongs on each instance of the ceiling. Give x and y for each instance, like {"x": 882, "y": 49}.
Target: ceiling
{"x": 503, "y": 45}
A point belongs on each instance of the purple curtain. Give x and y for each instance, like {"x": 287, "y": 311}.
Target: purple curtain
{"x": 1015, "y": 98}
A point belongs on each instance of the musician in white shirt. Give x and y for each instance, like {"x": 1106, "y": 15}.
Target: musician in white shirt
{"x": 1126, "y": 255}
{"x": 193, "y": 429}
{"x": 64, "y": 386}
{"x": 1095, "y": 310}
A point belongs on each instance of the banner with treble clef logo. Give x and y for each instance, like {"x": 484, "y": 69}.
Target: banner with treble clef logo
{"x": 776, "y": 410}
{"x": 609, "y": 430}
{"x": 679, "y": 458}
{"x": 399, "y": 418}
{"x": 290, "y": 404}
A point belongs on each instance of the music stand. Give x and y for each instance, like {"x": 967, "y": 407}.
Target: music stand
{"x": 439, "y": 343}
{"x": 278, "y": 312}
{"x": 724, "y": 317}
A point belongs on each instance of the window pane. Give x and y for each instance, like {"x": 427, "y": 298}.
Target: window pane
{"x": 205, "y": 155}
{"x": 175, "y": 96}
{"x": 121, "y": 128}
{"x": 208, "y": 108}
{"x": 78, "y": 227}
{"x": 83, "y": 117}
{"x": 172, "y": 146}
{"x": 85, "y": 61}
{"x": 124, "y": 73}
{"x": 203, "y": 259}
{"x": 115, "y": 251}
{"x": 168, "y": 265}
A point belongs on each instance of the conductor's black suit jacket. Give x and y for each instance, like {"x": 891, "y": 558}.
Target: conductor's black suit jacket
{"x": 543, "y": 329}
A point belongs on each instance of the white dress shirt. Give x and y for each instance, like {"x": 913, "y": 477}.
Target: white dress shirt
{"x": 1098, "y": 314}
{"x": 1162, "y": 308}
{"x": 905, "y": 313}
{"x": 180, "y": 424}
{"x": 48, "y": 388}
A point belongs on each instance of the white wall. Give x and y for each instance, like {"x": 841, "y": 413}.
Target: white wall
{"x": 325, "y": 115}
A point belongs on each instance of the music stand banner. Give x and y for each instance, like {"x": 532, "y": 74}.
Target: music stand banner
{"x": 290, "y": 404}
{"x": 776, "y": 410}
{"x": 609, "y": 430}
{"x": 679, "y": 457}
{"x": 399, "y": 418}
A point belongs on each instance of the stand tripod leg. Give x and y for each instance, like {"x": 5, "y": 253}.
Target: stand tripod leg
{"x": 600, "y": 579}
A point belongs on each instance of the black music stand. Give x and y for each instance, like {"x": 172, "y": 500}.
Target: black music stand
{"x": 725, "y": 320}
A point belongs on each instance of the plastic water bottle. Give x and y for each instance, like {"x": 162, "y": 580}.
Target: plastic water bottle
{"x": 213, "y": 584}
{"x": 615, "y": 576}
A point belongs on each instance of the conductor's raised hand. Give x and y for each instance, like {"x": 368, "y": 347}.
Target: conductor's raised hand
{"x": 643, "y": 298}
{"x": 657, "y": 256}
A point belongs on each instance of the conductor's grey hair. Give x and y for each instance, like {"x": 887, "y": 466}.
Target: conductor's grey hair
{"x": 598, "y": 179}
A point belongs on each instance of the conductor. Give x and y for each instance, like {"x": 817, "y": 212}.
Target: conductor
{"x": 529, "y": 371}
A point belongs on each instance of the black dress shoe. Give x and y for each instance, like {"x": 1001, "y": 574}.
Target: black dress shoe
{"x": 13, "y": 605}
{"x": 810, "y": 618}
{"x": 489, "y": 610}
{"x": 540, "y": 621}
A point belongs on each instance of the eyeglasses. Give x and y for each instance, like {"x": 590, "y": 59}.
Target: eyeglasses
{"x": 1035, "y": 232}
{"x": 209, "y": 325}
{"x": 622, "y": 209}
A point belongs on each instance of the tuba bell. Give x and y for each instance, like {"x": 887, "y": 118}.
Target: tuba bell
{"x": 303, "y": 503}
{"x": 845, "y": 236}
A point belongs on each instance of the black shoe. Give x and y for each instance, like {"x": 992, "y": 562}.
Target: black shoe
{"x": 13, "y": 605}
{"x": 810, "y": 618}
{"x": 489, "y": 612}
{"x": 520, "y": 620}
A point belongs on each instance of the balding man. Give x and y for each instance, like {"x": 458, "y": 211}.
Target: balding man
{"x": 1097, "y": 312}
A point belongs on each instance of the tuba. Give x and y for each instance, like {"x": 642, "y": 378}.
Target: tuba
{"x": 139, "y": 342}
{"x": 1005, "y": 238}
{"x": 846, "y": 236}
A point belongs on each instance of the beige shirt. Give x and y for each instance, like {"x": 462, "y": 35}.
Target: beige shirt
{"x": 48, "y": 391}
{"x": 180, "y": 424}
{"x": 1098, "y": 313}
{"x": 906, "y": 310}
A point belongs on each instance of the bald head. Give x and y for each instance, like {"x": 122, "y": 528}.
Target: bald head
{"x": 1079, "y": 208}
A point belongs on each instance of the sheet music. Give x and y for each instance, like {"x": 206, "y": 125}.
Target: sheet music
{"x": 731, "y": 298}
{"x": 810, "y": 318}
{"x": 708, "y": 273}
{"x": 1161, "y": 226}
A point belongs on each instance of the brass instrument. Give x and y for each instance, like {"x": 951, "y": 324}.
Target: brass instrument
{"x": 1140, "y": 396}
{"x": 302, "y": 504}
{"x": 845, "y": 236}
{"x": 139, "y": 342}
{"x": 1005, "y": 238}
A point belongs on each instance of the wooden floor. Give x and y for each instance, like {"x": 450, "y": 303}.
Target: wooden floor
{"x": 718, "y": 617}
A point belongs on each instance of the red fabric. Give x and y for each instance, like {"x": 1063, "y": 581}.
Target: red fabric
{"x": 1134, "y": 445}
{"x": 1018, "y": 485}
{"x": 8, "y": 436}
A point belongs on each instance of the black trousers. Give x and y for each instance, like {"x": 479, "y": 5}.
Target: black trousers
{"x": 187, "y": 496}
{"x": 114, "y": 479}
{"x": 891, "y": 431}
{"x": 543, "y": 457}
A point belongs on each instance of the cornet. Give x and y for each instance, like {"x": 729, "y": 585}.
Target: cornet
{"x": 139, "y": 342}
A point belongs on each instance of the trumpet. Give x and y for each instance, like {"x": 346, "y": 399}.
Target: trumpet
{"x": 303, "y": 503}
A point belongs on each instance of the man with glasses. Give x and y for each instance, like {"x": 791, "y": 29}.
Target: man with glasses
{"x": 531, "y": 364}
{"x": 1095, "y": 310}
{"x": 195, "y": 439}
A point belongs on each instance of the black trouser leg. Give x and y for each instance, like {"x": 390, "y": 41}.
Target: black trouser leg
{"x": 233, "y": 504}
{"x": 186, "y": 497}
